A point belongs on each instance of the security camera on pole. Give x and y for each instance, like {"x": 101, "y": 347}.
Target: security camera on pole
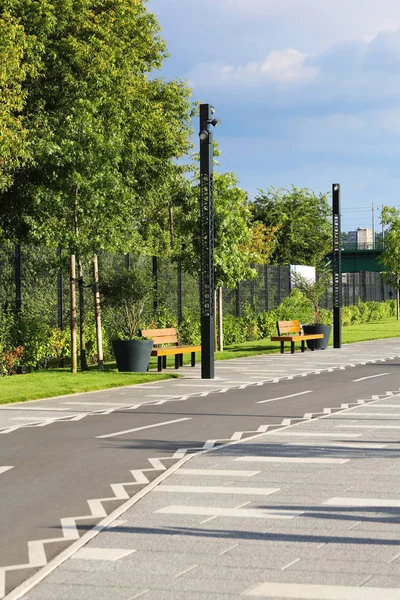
{"x": 207, "y": 240}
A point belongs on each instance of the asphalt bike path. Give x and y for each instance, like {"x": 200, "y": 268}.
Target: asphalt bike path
{"x": 50, "y": 472}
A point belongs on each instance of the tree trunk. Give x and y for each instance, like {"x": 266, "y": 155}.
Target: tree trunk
{"x": 97, "y": 312}
{"x": 82, "y": 338}
{"x": 74, "y": 366}
{"x": 220, "y": 321}
{"x": 397, "y": 304}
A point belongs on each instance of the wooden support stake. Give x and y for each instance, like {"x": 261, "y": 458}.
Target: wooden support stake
{"x": 97, "y": 312}
{"x": 74, "y": 362}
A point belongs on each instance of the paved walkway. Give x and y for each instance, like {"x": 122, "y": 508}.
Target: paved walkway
{"x": 241, "y": 372}
{"x": 311, "y": 511}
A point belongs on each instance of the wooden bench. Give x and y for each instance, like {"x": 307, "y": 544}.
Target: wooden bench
{"x": 290, "y": 331}
{"x": 169, "y": 336}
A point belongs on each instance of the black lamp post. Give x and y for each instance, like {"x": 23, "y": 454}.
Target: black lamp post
{"x": 337, "y": 268}
{"x": 207, "y": 240}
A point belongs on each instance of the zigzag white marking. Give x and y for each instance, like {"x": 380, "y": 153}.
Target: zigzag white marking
{"x": 36, "y": 549}
{"x": 78, "y": 417}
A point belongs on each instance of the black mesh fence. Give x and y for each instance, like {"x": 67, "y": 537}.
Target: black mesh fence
{"x": 36, "y": 281}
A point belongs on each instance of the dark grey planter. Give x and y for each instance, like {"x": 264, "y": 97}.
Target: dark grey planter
{"x": 323, "y": 342}
{"x": 132, "y": 355}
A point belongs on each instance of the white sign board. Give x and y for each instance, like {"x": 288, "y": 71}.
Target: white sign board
{"x": 304, "y": 271}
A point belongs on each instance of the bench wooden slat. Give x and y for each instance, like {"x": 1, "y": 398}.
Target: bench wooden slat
{"x": 159, "y": 332}
{"x": 169, "y": 336}
{"x": 288, "y": 327}
{"x": 294, "y": 338}
{"x": 168, "y": 351}
{"x": 290, "y": 331}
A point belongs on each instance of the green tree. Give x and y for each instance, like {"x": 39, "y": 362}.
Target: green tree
{"x": 14, "y": 69}
{"x": 105, "y": 134}
{"x": 303, "y": 218}
{"x": 390, "y": 256}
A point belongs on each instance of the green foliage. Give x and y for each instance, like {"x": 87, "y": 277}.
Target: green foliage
{"x": 104, "y": 136}
{"x": 304, "y": 234}
{"x": 313, "y": 291}
{"x": 294, "y": 306}
{"x": 233, "y": 330}
{"x": 189, "y": 331}
{"x": 233, "y": 231}
{"x": 390, "y": 257}
{"x": 126, "y": 291}
{"x": 163, "y": 318}
{"x": 44, "y": 346}
{"x": 10, "y": 360}
{"x": 365, "y": 312}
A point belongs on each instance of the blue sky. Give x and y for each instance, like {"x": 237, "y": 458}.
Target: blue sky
{"x": 308, "y": 91}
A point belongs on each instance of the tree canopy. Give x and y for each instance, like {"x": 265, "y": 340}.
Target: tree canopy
{"x": 302, "y": 219}
{"x": 390, "y": 256}
{"x": 106, "y": 135}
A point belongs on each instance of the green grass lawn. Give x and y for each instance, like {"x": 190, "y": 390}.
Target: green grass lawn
{"x": 59, "y": 382}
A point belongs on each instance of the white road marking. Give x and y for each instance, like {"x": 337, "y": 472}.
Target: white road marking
{"x": 321, "y": 592}
{"x": 4, "y": 469}
{"x": 361, "y": 446}
{"x": 108, "y": 435}
{"x": 314, "y": 434}
{"x": 284, "y": 397}
{"x": 292, "y": 459}
{"x": 111, "y": 554}
{"x": 88, "y": 403}
{"x": 41, "y": 408}
{"x": 369, "y": 377}
{"x": 354, "y": 415}
{"x": 214, "y": 511}
{"x": 385, "y": 406}
{"x": 205, "y": 489}
{"x": 218, "y": 472}
{"x": 369, "y": 426}
{"x": 363, "y": 502}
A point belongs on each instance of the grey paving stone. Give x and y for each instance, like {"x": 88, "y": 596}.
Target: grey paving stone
{"x": 384, "y": 581}
{"x": 46, "y": 591}
{"x": 343, "y": 566}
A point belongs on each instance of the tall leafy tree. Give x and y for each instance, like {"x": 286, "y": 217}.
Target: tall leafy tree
{"x": 106, "y": 134}
{"x": 304, "y": 234}
{"x": 14, "y": 69}
{"x": 390, "y": 257}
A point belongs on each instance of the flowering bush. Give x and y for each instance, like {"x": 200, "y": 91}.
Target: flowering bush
{"x": 10, "y": 360}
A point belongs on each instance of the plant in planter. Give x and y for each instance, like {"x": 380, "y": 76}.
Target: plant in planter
{"x": 127, "y": 291}
{"x": 313, "y": 291}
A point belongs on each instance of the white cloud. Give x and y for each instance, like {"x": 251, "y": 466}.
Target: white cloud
{"x": 280, "y": 66}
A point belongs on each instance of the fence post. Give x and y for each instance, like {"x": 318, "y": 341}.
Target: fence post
{"x": 74, "y": 363}
{"x": 60, "y": 299}
{"x": 18, "y": 282}
{"x": 238, "y": 306}
{"x": 266, "y": 298}
{"x": 179, "y": 290}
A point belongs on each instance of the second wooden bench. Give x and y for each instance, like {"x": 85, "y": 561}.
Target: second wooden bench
{"x": 169, "y": 336}
{"x": 290, "y": 331}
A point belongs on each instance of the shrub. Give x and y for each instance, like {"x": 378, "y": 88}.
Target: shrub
{"x": 295, "y": 306}
{"x": 234, "y": 330}
{"x": 10, "y": 360}
{"x": 266, "y": 323}
{"x": 189, "y": 329}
